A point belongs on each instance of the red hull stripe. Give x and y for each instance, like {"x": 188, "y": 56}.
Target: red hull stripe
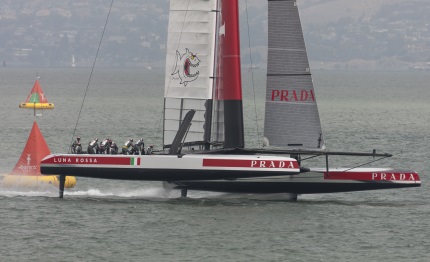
{"x": 250, "y": 163}
{"x": 373, "y": 176}
{"x": 73, "y": 160}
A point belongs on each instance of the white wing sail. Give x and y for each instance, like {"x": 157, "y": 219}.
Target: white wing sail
{"x": 190, "y": 67}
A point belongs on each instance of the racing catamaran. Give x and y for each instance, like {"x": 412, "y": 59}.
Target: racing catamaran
{"x": 203, "y": 140}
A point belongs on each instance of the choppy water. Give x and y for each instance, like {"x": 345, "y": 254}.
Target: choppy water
{"x": 103, "y": 220}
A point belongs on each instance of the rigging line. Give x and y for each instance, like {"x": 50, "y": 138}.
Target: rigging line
{"x": 307, "y": 158}
{"x": 170, "y": 78}
{"x": 365, "y": 163}
{"x": 92, "y": 70}
{"x": 252, "y": 73}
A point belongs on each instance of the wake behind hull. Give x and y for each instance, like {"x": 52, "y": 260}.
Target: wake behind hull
{"x": 313, "y": 182}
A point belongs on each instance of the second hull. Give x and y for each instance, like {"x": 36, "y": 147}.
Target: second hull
{"x": 313, "y": 182}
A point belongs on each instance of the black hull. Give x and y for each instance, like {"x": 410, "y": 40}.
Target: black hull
{"x": 151, "y": 174}
{"x": 255, "y": 174}
{"x": 285, "y": 187}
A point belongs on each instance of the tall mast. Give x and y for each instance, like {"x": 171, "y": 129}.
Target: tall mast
{"x": 231, "y": 82}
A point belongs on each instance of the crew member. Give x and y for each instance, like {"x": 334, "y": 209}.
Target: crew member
{"x": 93, "y": 147}
{"x": 76, "y": 147}
{"x": 113, "y": 148}
{"x": 140, "y": 146}
{"x": 104, "y": 146}
{"x": 126, "y": 146}
{"x": 149, "y": 150}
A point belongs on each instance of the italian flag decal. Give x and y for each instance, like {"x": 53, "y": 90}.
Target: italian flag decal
{"x": 134, "y": 161}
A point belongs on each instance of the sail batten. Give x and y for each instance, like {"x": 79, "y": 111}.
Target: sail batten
{"x": 291, "y": 116}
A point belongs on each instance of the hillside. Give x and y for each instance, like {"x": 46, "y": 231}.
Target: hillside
{"x": 340, "y": 34}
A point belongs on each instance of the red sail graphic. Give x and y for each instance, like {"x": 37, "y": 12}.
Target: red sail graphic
{"x": 35, "y": 150}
